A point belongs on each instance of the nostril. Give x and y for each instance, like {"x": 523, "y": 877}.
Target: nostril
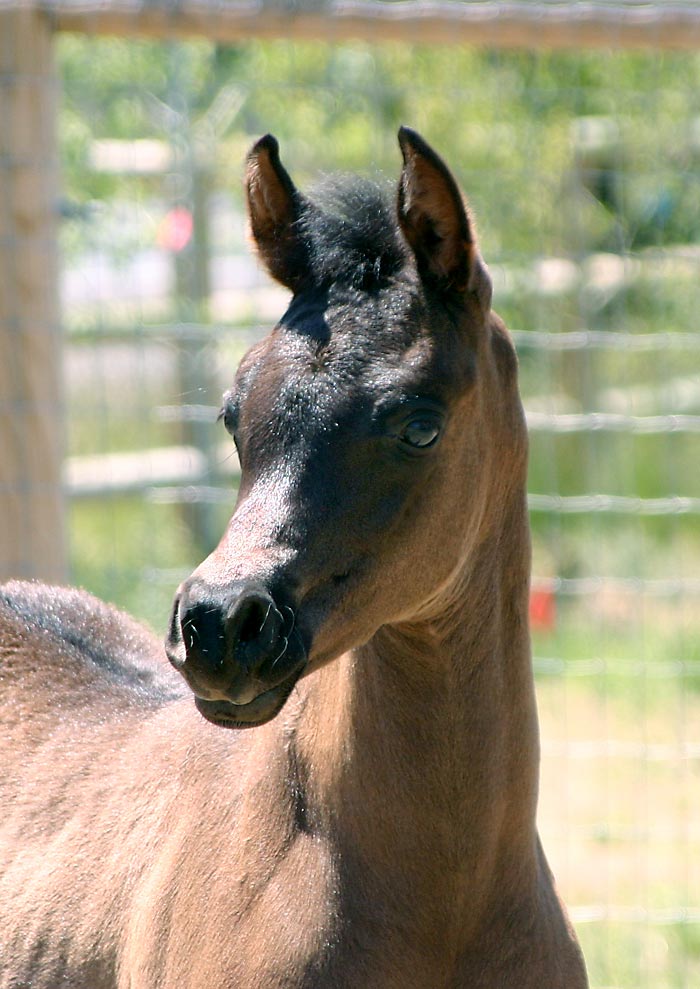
{"x": 175, "y": 628}
{"x": 252, "y": 615}
{"x": 203, "y": 634}
{"x": 252, "y": 622}
{"x": 254, "y": 628}
{"x": 189, "y": 632}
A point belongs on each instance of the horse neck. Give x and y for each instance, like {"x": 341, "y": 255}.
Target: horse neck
{"x": 417, "y": 755}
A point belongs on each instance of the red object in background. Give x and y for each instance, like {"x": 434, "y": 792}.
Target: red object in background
{"x": 543, "y": 608}
{"x": 175, "y": 231}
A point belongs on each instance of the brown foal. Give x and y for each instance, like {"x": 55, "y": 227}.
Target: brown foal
{"x": 366, "y": 614}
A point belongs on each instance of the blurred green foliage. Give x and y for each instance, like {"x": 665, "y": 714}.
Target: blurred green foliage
{"x": 562, "y": 153}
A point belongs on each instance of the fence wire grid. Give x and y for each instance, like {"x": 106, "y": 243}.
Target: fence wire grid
{"x": 583, "y": 168}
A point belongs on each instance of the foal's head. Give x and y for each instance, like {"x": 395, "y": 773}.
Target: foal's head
{"x": 378, "y": 427}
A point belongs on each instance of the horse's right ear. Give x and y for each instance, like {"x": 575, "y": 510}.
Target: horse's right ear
{"x": 274, "y": 207}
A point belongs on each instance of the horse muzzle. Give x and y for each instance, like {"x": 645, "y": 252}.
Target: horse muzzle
{"x": 238, "y": 650}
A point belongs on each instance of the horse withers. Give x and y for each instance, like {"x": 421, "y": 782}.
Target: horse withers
{"x": 365, "y": 614}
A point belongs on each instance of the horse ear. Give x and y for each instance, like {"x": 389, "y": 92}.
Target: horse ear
{"x": 435, "y": 222}
{"x": 274, "y": 207}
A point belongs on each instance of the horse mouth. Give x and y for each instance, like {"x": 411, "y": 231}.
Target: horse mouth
{"x": 263, "y": 708}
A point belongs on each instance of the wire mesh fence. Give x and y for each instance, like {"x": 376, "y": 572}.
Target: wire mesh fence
{"x": 583, "y": 168}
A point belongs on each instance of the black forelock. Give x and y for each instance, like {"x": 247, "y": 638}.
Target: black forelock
{"x": 352, "y": 233}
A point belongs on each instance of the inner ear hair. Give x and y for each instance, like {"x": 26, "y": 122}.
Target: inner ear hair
{"x": 274, "y": 206}
{"x": 271, "y": 193}
{"x": 435, "y": 221}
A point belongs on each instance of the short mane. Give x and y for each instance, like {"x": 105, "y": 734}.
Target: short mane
{"x": 352, "y": 233}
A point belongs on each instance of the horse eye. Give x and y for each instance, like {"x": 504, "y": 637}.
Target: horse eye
{"x": 229, "y": 417}
{"x": 420, "y": 432}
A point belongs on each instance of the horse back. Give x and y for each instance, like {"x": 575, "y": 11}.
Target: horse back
{"x": 64, "y": 653}
{"x": 84, "y": 702}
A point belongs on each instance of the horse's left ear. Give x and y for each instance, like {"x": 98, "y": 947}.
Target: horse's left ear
{"x": 436, "y": 224}
{"x": 274, "y": 207}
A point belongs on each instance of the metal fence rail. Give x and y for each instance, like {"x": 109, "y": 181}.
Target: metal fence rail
{"x": 550, "y": 25}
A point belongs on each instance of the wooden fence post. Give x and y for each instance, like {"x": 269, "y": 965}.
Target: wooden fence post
{"x": 32, "y": 534}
